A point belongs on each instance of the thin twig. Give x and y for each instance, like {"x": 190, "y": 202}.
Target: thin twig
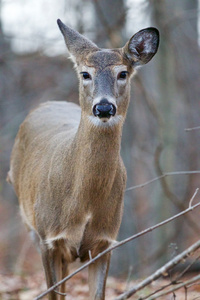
{"x": 163, "y": 270}
{"x": 90, "y": 255}
{"x": 155, "y": 292}
{"x": 162, "y": 176}
{"x": 129, "y": 278}
{"x": 116, "y": 245}
{"x": 59, "y": 293}
{"x": 193, "y": 284}
{"x": 169, "y": 194}
{"x": 185, "y": 292}
{"x": 194, "y": 128}
{"x": 191, "y": 200}
{"x": 185, "y": 270}
{"x": 175, "y": 288}
{"x": 173, "y": 282}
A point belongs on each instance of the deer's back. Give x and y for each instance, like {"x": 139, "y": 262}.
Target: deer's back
{"x": 51, "y": 118}
{"x": 46, "y": 126}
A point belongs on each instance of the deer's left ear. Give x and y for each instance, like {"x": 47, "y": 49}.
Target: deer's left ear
{"x": 142, "y": 46}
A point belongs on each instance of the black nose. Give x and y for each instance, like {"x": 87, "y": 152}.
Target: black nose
{"x": 104, "y": 109}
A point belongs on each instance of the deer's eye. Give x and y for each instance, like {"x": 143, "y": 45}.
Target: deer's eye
{"x": 122, "y": 75}
{"x": 86, "y": 75}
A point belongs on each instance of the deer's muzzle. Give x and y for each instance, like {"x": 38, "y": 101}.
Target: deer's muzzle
{"x": 104, "y": 109}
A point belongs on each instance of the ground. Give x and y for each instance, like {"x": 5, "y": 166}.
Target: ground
{"x": 23, "y": 287}
{"x": 26, "y": 279}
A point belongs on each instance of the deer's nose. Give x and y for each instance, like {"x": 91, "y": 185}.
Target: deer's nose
{"x": 104, "y": 109}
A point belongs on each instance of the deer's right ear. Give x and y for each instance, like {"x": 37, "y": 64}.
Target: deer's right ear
{"x": 142, "y": 46}
{"x": 77, "y": 44}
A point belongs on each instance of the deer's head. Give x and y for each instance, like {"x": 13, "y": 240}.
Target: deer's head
{"x": 104, "y": 75}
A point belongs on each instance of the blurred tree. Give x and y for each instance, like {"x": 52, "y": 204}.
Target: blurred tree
{"x": 6, "y": 87}
{"x": 110, "y": 21}
{"x": 4, "y": 50}
{"x": 177, "y": 85}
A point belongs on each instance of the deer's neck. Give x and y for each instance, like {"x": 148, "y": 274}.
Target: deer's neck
{"x": 97, "y": 155}
{"x": 97, "y": 145}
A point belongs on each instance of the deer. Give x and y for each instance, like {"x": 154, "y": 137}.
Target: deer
{"x": 66, "y": 167}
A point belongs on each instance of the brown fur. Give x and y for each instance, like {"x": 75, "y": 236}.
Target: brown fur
{"x": 67, "y": 171}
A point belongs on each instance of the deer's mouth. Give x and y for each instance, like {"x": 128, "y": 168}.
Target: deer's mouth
{"x": 105, "y": 122}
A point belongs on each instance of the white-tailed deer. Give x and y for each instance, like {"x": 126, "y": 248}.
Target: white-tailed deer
{"x": 66, "y": 166}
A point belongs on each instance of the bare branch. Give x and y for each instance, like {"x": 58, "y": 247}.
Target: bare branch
{"x": 186, "y": 269}
{"x": 194, "y": 128}
{"x": 191, "y": 200}
{"x": 59, "y": 293}
{"x": 174, "y": 281}
{"x": 162, "y": 176}
{"x": 160, "y": 272}
{"x": 116, "y": 245}
{"x": 169, "y": 194}
{"x": 177, "y": 287}
{"x": 90, "y": 255}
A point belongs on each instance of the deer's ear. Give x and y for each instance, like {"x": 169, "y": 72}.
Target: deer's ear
{"x": 77, "y": 44}
{"x": 142, "y": 46}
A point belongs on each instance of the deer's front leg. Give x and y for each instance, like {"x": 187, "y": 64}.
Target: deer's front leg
{"x": 98, "y": 272}
{"x": 51, "y": 260}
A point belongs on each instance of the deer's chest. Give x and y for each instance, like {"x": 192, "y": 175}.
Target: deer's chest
{"x": 81, "y": 240}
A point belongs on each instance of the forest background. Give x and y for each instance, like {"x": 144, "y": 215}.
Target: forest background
{"x": 165, "y": 102}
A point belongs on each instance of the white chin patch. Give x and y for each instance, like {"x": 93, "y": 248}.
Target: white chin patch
{"x": 105, "y": 122}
